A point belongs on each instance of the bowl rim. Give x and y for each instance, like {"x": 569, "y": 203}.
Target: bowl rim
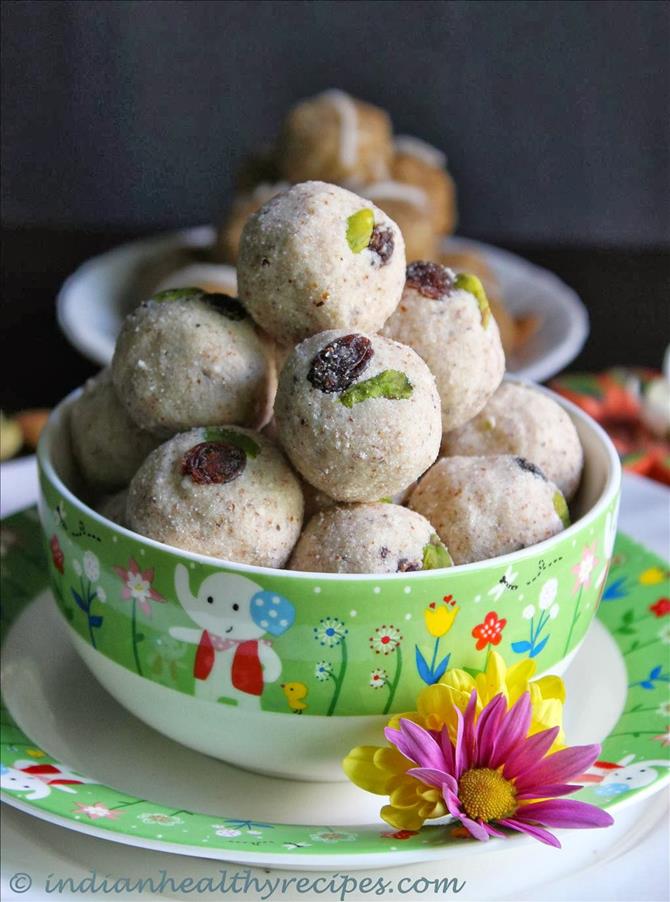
{"x": 607, "y": 495}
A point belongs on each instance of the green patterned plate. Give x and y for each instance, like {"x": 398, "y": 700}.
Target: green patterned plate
{"x": 54, "y": 712}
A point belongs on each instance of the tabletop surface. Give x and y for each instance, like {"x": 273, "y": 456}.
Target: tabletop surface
{"x": 626, "y": 292}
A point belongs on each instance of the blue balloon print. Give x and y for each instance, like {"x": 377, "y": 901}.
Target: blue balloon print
{"x": 272, "y": 612}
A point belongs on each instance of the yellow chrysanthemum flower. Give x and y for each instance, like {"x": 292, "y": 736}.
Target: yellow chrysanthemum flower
{"x": 383, "y": 770}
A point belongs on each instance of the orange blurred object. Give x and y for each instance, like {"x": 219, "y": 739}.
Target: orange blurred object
{"x": 31, "y": 423}
{"x": 615, "y": 399}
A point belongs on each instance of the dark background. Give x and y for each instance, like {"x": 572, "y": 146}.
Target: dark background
{"x": 554, "y": 115}
{"x": 123, "y": 117}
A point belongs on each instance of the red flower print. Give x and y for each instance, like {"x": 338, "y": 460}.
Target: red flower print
{"x": 57, "y": 555}
{"x": 490, "y": 631}
{"x": 399, "y": 834}
{"x": 661, "y": 608}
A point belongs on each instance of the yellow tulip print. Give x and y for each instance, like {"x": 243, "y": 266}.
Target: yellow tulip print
{"x": 439, "y": 618}
{"x": 653, "y": 576}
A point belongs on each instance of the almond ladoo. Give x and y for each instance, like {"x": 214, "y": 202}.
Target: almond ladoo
{"x": 447, "y": 320}
{"x": 358, "y": 415}
{"x": 482, "y": 507}
{"x": 107, "y": 444}
{"x": 225, "y": 492}
{"x": 522, "y": 421}
{"x": 336, "y": 138}
{"x": 415, "y": 162}
{"x": 114, "y": 507}
{"x": 368, "y": 538}
{"x": 186, "y": 358}
{"x": 320, "y": 257}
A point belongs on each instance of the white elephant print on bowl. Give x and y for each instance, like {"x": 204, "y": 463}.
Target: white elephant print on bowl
{"x": 614, "y": 778}
{"x": 37, "y": 780}
{"x": 234, "y": 661}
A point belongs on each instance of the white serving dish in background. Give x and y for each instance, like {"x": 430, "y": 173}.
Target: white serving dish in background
{"x": 95, "y": 298}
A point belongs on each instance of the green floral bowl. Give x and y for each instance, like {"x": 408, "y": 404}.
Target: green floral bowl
{"x": 283, "y": 672}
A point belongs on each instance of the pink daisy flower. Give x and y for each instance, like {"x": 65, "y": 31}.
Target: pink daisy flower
{"x": 584, "y": 568}
{"x": 494, "y": 773}
{"x": 97, "y": 811}
{"x": 137, "y": 585}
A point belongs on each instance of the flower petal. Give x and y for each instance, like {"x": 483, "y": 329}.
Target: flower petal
{"x": 406, "y": 715}
{"x": 536, "y": 832}
{"x": 551, "y": 687}
{"x": 434, "y": 777}
{"x": 434, "y": 699}
{"x": 548, "y": 790}
{"x": 388, "y": 758}
{"x": 469, "y": 735}
{"x": 402, "y": 819}
{"x": 492, "y": 681}
{"x": 361, "y": 770}
{"x": 475, "y": 829}
{"x": 561, "y": 766}
{"x": 517, "y": 678}
{"x": 416, "y": 744}
{"x": 447, "y": 750}
{"x": 460, "y": 757}
{"x": 432, "y": 809}
{"x": 513, "y": 730}
{"x": 453, "y": 802}
{"x": 487, "y": 728}
{"x": 492, "y": 831}
{"x": 547, "y": 712}
{"x": 459, "y": 680}
{"x": 404, "y": 795}
{"x": 565, "y": 813}
{"x": 529, "y": 753}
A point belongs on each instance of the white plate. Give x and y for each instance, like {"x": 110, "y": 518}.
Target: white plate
{"x": 530, "y": 289}
{"x": 62, "y": 710}
{"x": 627, "y": 861}
{"x": 94, "y": 300}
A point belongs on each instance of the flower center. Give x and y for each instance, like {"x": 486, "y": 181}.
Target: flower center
{"x": 486, "y": 795}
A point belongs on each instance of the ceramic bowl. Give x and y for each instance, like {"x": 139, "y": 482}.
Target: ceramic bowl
{"x": 309, "y": 664}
